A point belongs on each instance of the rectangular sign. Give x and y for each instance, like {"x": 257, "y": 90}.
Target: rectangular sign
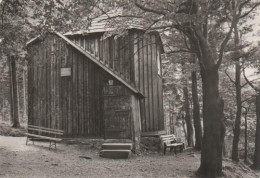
{"x": 64, "y": 72}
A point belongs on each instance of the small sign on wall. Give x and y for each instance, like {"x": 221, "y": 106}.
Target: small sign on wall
{"x": 64, "y": 72}
{"x": 110, "y": 82}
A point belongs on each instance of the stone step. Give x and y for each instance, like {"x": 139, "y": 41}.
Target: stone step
{"x": 115, "y": 154}
{"x": 117, "y": 146}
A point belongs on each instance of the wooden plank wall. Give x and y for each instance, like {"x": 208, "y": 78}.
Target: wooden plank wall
{"x": 75, "y": 103}
{"x": 72, "y": 103}
{"x": 147, "y": 50}
{"x": 133, "y": 58}
{"x": 115, "y": 54}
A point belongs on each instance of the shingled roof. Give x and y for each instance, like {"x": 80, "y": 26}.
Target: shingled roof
{"x": 100, "y": 24}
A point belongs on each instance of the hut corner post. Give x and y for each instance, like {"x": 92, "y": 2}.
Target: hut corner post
{"x": 136, "y": 122}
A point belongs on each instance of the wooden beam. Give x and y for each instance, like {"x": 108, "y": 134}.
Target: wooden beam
{"x": 96, "y": 61}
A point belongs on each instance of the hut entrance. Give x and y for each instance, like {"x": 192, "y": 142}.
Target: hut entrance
{"x": 117, "y": 115}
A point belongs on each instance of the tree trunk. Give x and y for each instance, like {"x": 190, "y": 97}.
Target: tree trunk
{"x": 184, "y": 128}
{"x": 256, "y": 164}
{"x": 13, "y": 93}
{"x": 245, "y": 158}
{"x": 196, "y": 112}
{"x": 188, "y": 117}
{"x": 214, "y": 128}
{"x": 189, "y": 135}
{"x": 2, "y": 97}
{"x": 235, "y": 155}
{"x": 24, "y": 95}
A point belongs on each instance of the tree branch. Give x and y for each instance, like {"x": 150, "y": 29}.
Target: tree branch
{"x": 179, "y": 51}
{"x": 161, "y": 27}
{"x": 2, "y": 15}
{"x": 224, "y": 43}
{"x": 247, "y": 99}
{"x": 229, "y": 77}
{"x": 249, "y": 83}
{"x": 148, "y": 9}
{"x": 249, "y": 11}
{"x": 242, "y": 5}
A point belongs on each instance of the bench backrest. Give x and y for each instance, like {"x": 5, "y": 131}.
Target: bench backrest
{"x": 45, "y": 130}
{"x": 166, "y": 136}
{"x": 167, "y": 139}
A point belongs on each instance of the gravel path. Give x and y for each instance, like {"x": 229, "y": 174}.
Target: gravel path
{"x": 19, "y": 160}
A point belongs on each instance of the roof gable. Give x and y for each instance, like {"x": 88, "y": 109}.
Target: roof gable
{"x": 96, "y": 61}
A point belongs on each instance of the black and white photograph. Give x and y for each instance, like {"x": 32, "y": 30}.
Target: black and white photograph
{"x": 129, "y": 88}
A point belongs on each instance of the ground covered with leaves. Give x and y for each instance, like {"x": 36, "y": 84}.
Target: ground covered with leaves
{"x": 81, "y": 159}
{"x": 7, "y": 130}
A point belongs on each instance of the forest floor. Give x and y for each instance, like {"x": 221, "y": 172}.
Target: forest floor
{"x": 82, "y": 160}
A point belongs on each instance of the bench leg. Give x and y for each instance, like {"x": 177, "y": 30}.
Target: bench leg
{"x": 175, "y": 150}
{"x": 164, "y": 149}
{"x": 182, "y": 147}
{"x": 50, "y": 145}
{"x": 54, "y": 143}
{"x": 28, "y": 139}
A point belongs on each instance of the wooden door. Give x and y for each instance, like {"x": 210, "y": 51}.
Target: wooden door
{"x": 117, "y": 112}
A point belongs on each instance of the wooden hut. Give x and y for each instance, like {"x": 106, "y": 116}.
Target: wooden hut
{"x": 91, "y": 86}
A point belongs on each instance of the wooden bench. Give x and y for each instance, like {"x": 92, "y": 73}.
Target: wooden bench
{"x": 36, "y": 133}
{"x": 170, "y": 141}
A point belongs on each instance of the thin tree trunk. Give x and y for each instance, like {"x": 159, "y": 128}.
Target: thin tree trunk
{"x": 256, "y": 164}
{"x": 2, "y": 97}
{"x": 11, "y": 90}
{"x": 13, "y": 93}
{"x": 235, "y": 155}
{"x": 18, "y": 93}
{"x": 245, "y": 158}
{"x": 24, "y": 95}
{"x": 196, "y": 112}
{"x": 188, "y": 117}
{"x": 184, "y": 129}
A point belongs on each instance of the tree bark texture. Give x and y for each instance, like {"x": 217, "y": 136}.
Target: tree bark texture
{"x": 235, "y": 154}
{"x": 256, "y": 164}
{"x": 245, "y": 158}
{"x": 184, "y": 128}
{"x": 13, "y": 93}
{"x": 2, "y": 99}
{"x": 214, "y": 128}
{"x": 188, "y": 117}
{"x": 24, "y": 95}
{"x": 196, "y": 112}
{"x": 213, "y": 104}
